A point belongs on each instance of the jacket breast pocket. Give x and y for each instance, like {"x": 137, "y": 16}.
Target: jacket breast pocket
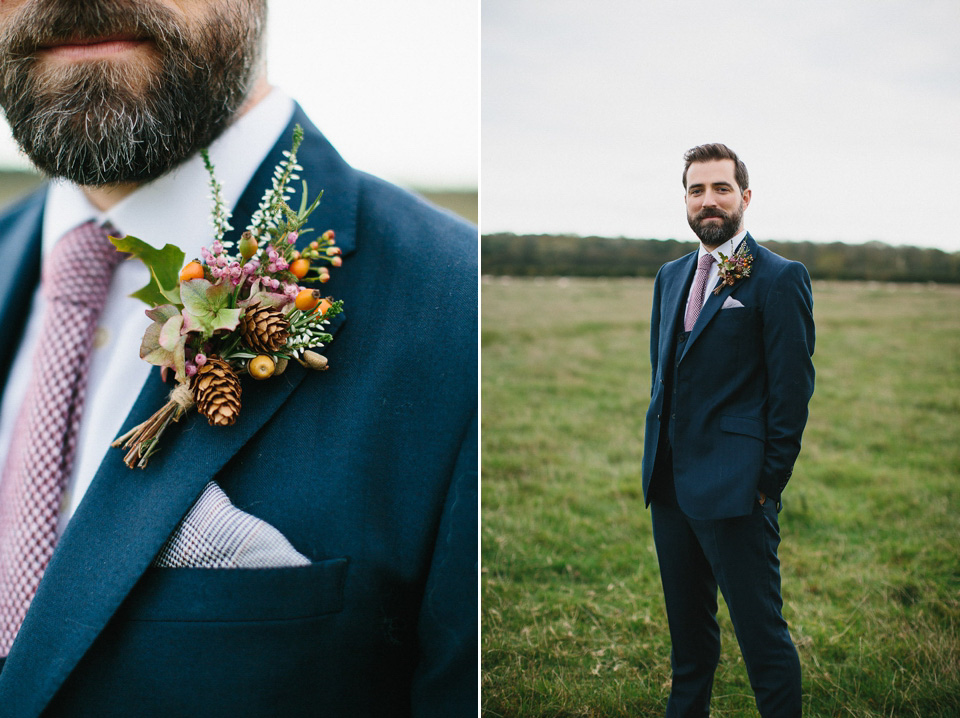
{"x": 735, "y": 334}
{"x": 245, "y": 594}
{"x": 221, "y": 642}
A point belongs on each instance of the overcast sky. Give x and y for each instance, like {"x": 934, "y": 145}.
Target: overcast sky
{"x": 394, "y": 85}
{"x": 846, "y": 112}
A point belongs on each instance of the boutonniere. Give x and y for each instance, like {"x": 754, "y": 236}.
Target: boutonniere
{"x": 236, "y": 310}
{"x": 734, "y": 268}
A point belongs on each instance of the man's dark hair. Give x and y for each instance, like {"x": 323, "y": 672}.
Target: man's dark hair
{"x": 716, "y": 151}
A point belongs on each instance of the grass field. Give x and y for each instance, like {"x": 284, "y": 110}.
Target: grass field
{"x": 573, "y": 618}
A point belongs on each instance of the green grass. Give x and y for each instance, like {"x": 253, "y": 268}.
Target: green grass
{"x": 572, "y": 612}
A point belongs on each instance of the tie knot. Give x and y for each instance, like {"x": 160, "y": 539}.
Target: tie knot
{"x": 705, "y": 262}
{"x": 81, "y": 265}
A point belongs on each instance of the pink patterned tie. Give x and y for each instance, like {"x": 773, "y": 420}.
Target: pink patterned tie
{"x": 699, "y": 287}
{"x": 76, "y": 277}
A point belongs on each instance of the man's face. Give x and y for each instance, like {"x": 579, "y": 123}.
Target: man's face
{"x": 108, "y": 91}
{"x": 715, "y": 204}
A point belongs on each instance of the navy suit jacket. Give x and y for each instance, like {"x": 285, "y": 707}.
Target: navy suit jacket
{"x": 740, "y": 384}
{"x": 369, "y": 469}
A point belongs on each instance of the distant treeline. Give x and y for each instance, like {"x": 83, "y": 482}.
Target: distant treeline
{"x": 552, "y": 255}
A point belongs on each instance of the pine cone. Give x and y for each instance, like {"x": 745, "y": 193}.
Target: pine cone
{"x": 216, "y": 389}
{"x": 264, "y": 329}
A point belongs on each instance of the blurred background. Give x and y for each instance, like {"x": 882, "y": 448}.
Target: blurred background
{"x": 394, "y": 86}
{"x": 845, "y": 112}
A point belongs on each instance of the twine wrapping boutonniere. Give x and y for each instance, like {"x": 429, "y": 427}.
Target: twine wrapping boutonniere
{"x": 734, "y": 268}
{"x": 234, "y": 311}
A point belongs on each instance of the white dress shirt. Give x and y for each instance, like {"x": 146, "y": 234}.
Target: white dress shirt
{"x": 173, "y": 209}
{"x": 728, "y": 248}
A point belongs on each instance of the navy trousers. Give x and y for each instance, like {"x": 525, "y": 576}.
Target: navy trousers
{"x": 740, "y": 556}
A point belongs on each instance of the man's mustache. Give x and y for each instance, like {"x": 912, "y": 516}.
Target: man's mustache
{"x": 43, "y": 23}
{"x": 707, "y": 214}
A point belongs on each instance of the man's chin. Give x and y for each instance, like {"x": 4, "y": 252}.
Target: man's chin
{"x": 712, "y": 235}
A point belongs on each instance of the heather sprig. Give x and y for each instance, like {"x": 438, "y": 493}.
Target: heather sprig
{"x": 270, "y": 210}
{"x": 221, "y": 213}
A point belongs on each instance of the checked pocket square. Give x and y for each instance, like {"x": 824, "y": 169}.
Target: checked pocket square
{"x": 731, "y": 303}
{"x": 216, "y": 534}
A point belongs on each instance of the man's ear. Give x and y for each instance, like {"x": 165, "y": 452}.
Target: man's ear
{"x": 747, "y": 194}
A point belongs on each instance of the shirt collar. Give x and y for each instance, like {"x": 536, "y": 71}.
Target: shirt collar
{"x": 175, "y": 208}
{"x": 728, "y": 247}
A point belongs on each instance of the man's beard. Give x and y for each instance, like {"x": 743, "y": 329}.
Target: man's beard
{"x": 103, "y": 122}
{"x": 713, "y": 234}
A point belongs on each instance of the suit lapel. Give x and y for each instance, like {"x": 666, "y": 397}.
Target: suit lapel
{"x": 127, "y": 515}
{"x": 714, "y": 302}
{"x": 20, "y": 254}
{"x": 676, "y": 301}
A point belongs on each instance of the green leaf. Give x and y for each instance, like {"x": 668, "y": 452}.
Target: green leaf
{"x": 218, "y": 295}
{"x": 199, "y": 295}
{"x": 172, "y": 294}
{"x": 180, "y": 359}
{"x": 151, "y": 341}
{"x": 307, "y": 211}
{"x": 303, "y": 199}
{"x": 170, "y": 334}
{"x": 193, "y": 295}
{"x": 164, "y": 265}
{"x": 153, "y": 353}
{"x": 205, "y": 307}
{"x": 197, "y": 323}
{"x": 163, "y": 342}
{"x": 157, "y": 356}
{"x": 264, "y": 297}
{"x": 226, "y": 319}
{"x": 162, "y": 313}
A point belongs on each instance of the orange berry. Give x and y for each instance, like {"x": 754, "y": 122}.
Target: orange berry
{"x": 323, "y": 306}
{"x": 193, "y": 270}
{"x": 305, "y": 300}
{"x": 299, "y": 267}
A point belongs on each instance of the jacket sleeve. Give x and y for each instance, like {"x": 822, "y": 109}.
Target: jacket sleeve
{"x": 655, "y": 334}
{"x": 788, "y": 342}
{"x": 447, "y": 675}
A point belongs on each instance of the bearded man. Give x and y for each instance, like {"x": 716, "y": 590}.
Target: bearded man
{"x": 731, "y": 341}
{"x": 317, "y": 557}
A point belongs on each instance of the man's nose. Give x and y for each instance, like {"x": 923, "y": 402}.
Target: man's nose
{"x": 709, "y": 198}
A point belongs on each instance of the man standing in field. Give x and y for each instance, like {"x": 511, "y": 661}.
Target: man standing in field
{"x": 731, "y": 340}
